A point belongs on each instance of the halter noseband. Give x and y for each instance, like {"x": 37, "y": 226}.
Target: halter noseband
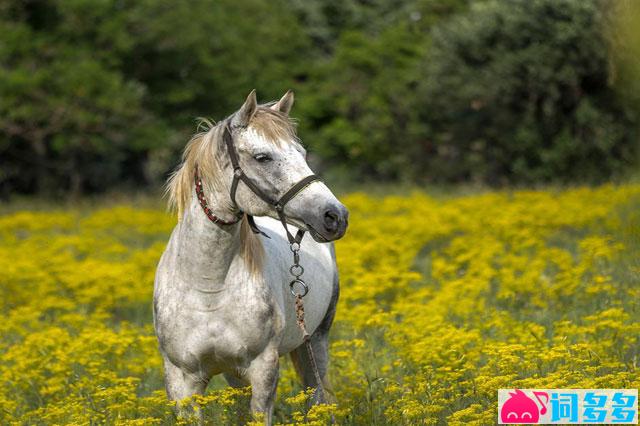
{"x": 239, "y": 175}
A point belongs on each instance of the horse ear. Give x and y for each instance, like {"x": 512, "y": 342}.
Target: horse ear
{"x": 246, "y": 111}
{"x": 285, "y": 103}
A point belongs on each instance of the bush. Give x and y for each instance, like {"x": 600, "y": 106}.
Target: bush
{"x": 95, "y": 94}
{"x": 521, "y": 91}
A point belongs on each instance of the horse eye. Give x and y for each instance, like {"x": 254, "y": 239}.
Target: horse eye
{"x": 262, "y": 158}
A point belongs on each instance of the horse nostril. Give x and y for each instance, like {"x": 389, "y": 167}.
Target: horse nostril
{"x": 331, "y": 220}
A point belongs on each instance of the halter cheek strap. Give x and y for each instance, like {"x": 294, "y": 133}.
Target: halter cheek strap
{"x": 278, "y": 205}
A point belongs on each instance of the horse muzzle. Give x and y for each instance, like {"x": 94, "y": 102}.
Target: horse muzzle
{"x": 331, "y": 226}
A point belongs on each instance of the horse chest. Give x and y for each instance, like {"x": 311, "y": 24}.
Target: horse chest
{"x": 224, "y": 331}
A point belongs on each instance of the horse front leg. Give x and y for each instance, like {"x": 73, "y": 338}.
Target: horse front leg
{"x": 180, "y": 385}
{"x": 263, "y": 376}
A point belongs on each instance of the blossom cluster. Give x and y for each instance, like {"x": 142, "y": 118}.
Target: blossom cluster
{"x": 443, "y": 302}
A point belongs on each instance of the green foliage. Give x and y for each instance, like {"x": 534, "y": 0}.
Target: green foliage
{"x": 97, "y": 93}
{"x": 521, "y": 92}
{"x": 503, "y": 92}
{"x": 202, "y": 57}
{"x": 69, "y": 119}
{"x": 93, "y": 92}
{"x": 360, "y": 104}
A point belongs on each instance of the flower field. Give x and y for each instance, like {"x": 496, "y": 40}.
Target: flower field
{"x": 443, "y": 302}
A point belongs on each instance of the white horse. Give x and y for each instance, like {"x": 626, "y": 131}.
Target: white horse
{"x": 222, "y": 301}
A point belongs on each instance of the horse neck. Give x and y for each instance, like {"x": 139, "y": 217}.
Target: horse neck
{"x": 206, "y": 249}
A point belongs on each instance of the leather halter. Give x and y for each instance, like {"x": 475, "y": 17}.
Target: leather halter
{"x": 205, "y": 206}
{"x": 239, "y": 175}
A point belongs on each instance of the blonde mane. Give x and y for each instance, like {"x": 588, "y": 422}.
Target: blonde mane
{"x": 205, "y": 150}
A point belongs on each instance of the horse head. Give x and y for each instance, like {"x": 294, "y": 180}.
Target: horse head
{"x": 273, "y": 162}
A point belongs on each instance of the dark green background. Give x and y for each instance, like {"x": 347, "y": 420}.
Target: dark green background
{"x": 102, "y": 94}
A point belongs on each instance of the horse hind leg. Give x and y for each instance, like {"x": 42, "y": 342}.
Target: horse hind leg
{"x": 304, "y": 366}
{"x": 235, "y": 381}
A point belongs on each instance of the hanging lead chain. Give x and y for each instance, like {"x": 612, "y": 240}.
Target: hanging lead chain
{"x": 298, "y": 284}
{"x": 297, "y": 270}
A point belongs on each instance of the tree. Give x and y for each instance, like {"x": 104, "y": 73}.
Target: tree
{"x": 358, "y": 108}
{"x": 359, "y": 105}
{"x": 93, "y": 92}
{"x": 520, "y": 91}
{"x": 65, "y": 118}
